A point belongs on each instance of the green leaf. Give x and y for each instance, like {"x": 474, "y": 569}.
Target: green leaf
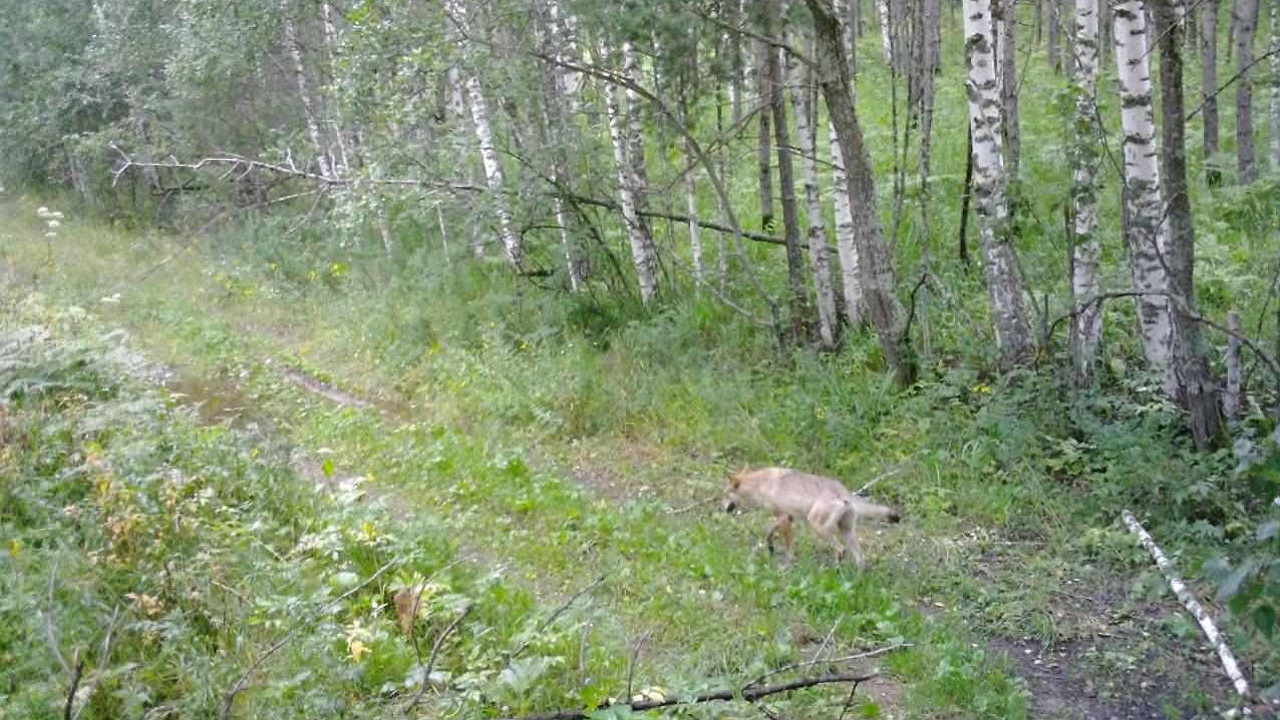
{"x": 1231, "y": 585}
{"x": 327, "y": 467}
{"x": 1264, "y": 616}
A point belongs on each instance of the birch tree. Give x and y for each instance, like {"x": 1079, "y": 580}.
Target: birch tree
{"x": 1004, "y": 284}
{"x": 1197, "y": 389}
{"x": 1209, "y": 89}
{"x": 1084, "y": 190}
{"x": 511, "y": 243}
{"x": 294, "y": 47}
{"x": 1007, "y": 74}
{"x": 1274, "y": 144}
{"x": 643, "y": 253}
{"x": 803, "y": 96}
{"x": 875, "y": 269}
{"x": 1245, "y": 24}
{"x": 1144, "y": 213}
{"x": 556, "y": 127}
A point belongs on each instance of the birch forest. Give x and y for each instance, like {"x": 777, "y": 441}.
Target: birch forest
{"x": 391, "y": 358}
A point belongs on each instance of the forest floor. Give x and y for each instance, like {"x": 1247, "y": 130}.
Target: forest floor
{"x": 994, "y": 624}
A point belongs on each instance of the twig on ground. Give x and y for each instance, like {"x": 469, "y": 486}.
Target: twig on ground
{"x": 878, "y": 478}
{"x": 826, "y": 640}
{"x": 75, "y": 685}
{"x": 243, "y": 680}
{"x": 687, "y": 508}
{"x": 1197, "y": 611}
{"x": 417, "y": 605}
{"x": 435, "y": 653}
{"x": 748, "y": 694}
{"x": 832, "y": 661}
{"x": 554, "y": 616}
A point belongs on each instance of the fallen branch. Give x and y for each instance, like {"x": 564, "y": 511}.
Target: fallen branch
{"x": 750, "y": 695}
{"x": 76, "y": 674}
{"x": 243, "y": 680}
{"x": 554, "y": 616}
{"x": 1197, "y": 611}
{"x": 878, "y": 478}
{"x": 811, "y": 663}
{"x": 435, "y": 653}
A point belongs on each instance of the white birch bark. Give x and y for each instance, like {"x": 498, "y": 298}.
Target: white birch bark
{"x": 556, "y": 127}
{"x": 802, "y": 97}
{"x": 1007, "y": 72}
{"x": 294, "y": 48}
{"x": 1229, "y": 664}
{"x": 484, "y": 137}
{"x": 846, "y": 241}
{"x": 1004, "y": 284}
{"x": 886, "y": 30}
{"x": 691, "y": 206}
{"x": 1144, "y": 233}
{"x": 1273, "y": 153}
{"x": 635, "y": 121}
{"x": 1084, "y": 190}
{"x": 642, "y": 251}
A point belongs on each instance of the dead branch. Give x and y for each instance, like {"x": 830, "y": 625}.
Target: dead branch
{"x": 1193, "y": 606}
{"x": 554, "y": 616}
{"x": 435, "y": 653}
{"x": 76, "y": 674}
{"x": 846, "y": 658}
{"x": 750, "y": 695}
{"x": 243, "y": 680}
{"x": 878, "y": 478}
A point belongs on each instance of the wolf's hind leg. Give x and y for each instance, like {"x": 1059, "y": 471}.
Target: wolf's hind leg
{"x": 781, "y": 526}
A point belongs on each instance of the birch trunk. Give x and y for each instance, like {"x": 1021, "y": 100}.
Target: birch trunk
{"x": 642, "y": 250}
{"x": 635, "y": 122}
{"x": 1144, "y": 212}
{"x": 1055, "y": 34}
{"x": 1209, "y": 90}
{"x": 1007, "y": 71}
{"x": 1197, "y": 388}
{"x": 294, "y": 48}
{"x": 1004, "y": 285}
{"x": 1274, "y": 144}
{"x": 764, "y": 138}
{"x": 876, "y": 269}
{"x": 556, "y": 126}
{"x": 1084, "y": 191}
{"x": 1245, "y": 23}
{"x": 846, "y": 241}
{"x": 691, "y": 203}
{"x": 488, "y": 151}
{"x": 786, "y": 173}
{"x": 886, "y": 30}
{"x": 800, "y": 80}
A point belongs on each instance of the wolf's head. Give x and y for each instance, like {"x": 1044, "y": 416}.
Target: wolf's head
{"x": 731, "y": 498}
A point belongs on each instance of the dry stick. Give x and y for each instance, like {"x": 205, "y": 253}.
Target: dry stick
{"x": 878, "y": 478}
{"x": 846, "y": 658}
{"x": 555, "y": 615}
{"x": 435, "y": 653}
{"x": 75, "y": 683}
{"x": 747, "y": 694}
{"x": 243, "y": 681}
{"x": 417, "y": 605}
{"x": 1193, "y": 607}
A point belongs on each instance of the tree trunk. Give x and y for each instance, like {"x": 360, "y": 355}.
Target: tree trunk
{"x": 1084, "y": 191}
{"x": 1209, "y": 90}
{"x": 764, "y": 138}
{"x": 803, "y": 92}
{"x": 1006, "y": 23}
{"x": 786, "y": 174}
{"x": 1197, "y": 388}
{"x": 846, "y": 242}
{"x": 556, "y": 127}
{"x": 1055, "y": 34}
{"x": 1274, "y": 145}
{"x": 1245, "y": 23}
{"x": 1004, "y": 284}
{"x": 876, "y": 268}
{"x": 635, "y": 122}
{"x": 294, "y": 47}
{"x": 691, "y": 204}
{"x": 643, "y": 253}
{"x": 884, "y": 12}
{"x": 1143, "y": 211}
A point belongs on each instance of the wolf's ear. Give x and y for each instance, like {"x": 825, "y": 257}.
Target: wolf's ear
{"x": 734, "y": 481}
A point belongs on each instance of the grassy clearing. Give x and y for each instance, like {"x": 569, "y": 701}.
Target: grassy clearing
{"x": 556, "y": 451}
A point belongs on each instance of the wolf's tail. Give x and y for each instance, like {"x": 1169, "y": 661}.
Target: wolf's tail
{"x": 867, "y": 509}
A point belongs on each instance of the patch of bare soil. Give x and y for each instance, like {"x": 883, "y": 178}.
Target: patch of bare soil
{"x": 1112, "y": 659}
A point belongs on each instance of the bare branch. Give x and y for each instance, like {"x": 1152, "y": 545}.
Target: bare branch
{"x": 435, "y": 653}
{"x": 750, "y": 695}
{"x": 1197, "y": 611}
{"x": 811, "y": 663}
{"x": 243, "y": 681}
{"x": 878, "y": 478}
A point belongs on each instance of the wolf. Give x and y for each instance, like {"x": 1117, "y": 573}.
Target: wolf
{"x": 825, "y": 502}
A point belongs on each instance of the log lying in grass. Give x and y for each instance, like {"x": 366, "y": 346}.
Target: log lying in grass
{"x": 749, "y": 694}
{"x": 1197, "y": 611}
